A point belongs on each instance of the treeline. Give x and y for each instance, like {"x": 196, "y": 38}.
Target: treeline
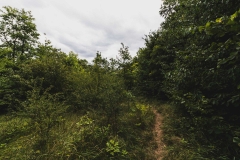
{"x": 193, "y": 61}
{"x": 54, "y": 105}
{"x": 26, "y": 63}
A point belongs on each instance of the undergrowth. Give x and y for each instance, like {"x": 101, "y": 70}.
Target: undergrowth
{"x": 178, "y": 146}
{"x": 82, "y": 135}
{"x": 183, "y": 140}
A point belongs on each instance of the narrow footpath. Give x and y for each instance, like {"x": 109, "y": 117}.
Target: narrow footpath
{"x": 158, "y": 135}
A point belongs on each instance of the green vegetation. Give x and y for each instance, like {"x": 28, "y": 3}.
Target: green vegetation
{"x": 193, "y": 62}
{"x": 54, "y": 105}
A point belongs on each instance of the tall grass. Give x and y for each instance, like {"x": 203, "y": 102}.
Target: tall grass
{"x": 81, "y": 136}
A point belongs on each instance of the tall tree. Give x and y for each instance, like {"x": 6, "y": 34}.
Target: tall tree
{"x": 124, "y": 62}
{"x": 17, "y": 31}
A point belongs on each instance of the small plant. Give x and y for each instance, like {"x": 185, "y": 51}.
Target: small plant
{"x": 114, "y": 149}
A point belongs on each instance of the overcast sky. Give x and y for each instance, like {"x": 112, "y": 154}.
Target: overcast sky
{"x": 88, "y": 26}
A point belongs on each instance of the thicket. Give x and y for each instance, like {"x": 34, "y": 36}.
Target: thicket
{"x": 54, "y": 105}
{"x": 193, "y": 59}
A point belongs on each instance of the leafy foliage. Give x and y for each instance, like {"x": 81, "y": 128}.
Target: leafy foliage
{"x": 62, "y": 107}
{"x": 18, "y": 31}
{"x": 197, "y": 61}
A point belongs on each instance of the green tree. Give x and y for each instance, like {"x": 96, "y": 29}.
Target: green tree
{"x": 124, "y": 62}
{"x": 45, "y": 112}
{"x": 153, "y": 61}
{"x": 18, "y": 35}
{"x": 195, "y": 54}
{"x": 17, "y": 31}
{"x": 6, "y": 82}
{"x": 51, "y": 64}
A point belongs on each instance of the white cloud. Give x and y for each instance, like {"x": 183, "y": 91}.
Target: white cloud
{"x": 86, "y": 27}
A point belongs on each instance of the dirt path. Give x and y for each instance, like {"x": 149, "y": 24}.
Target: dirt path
{"x": 158, "y": 135}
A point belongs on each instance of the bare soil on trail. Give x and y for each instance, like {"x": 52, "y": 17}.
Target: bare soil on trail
{"x": 159, "y": 152}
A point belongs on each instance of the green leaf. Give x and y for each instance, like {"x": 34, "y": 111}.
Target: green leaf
{"x": 236, "y": 140}
{"x": 208, "y": 24}
{"x": 234, "y": 16}
{"x": 201, "y": 28}
{"x": 219, "y": 20}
